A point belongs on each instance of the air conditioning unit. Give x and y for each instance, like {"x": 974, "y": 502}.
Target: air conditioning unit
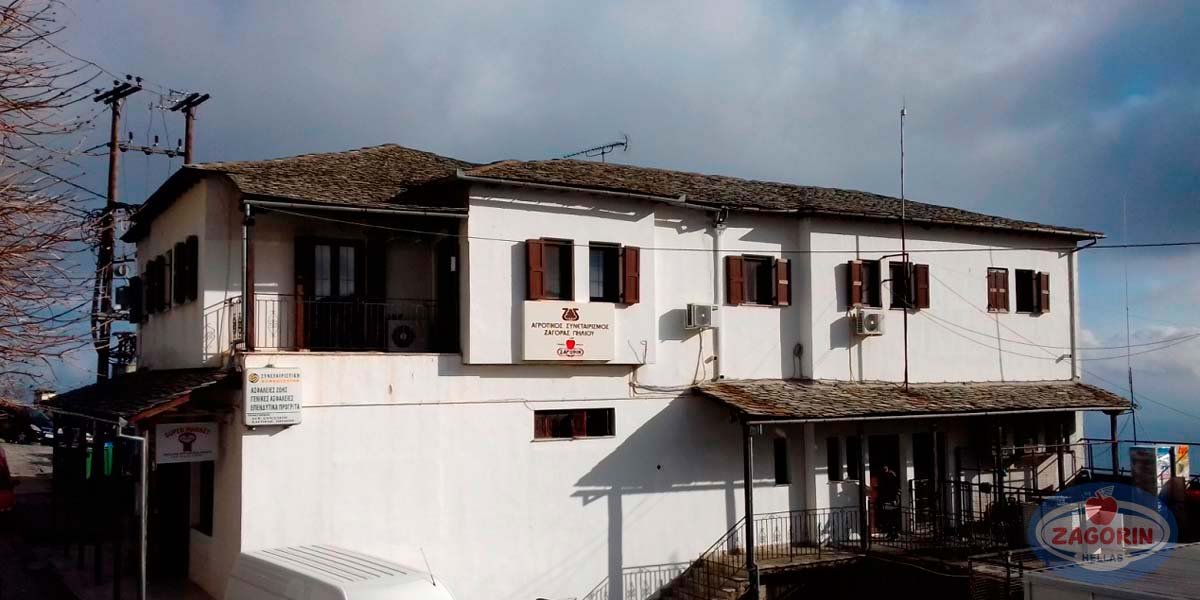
{"x": 407, "y": 335}
{"x": 867, "y": 321}
{"x": 701, "y": 316}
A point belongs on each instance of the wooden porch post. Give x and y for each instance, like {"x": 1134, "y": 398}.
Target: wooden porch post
{"x": 1112, "y": 436}
{"x": 248, "y": 280}
{"x": 864, "y": 534}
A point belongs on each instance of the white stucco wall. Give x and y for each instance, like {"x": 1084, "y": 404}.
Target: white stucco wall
{"x": 956, "y": 339}
{"x": 402, "y": 453}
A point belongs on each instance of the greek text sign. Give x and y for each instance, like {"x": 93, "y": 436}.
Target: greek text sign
{"x": 568, "y": 331}
{"x": 185, "y": 442}
{"x": 272, "y": 396}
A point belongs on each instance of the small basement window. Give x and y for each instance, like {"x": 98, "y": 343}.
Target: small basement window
{"x": 574, "y": 423}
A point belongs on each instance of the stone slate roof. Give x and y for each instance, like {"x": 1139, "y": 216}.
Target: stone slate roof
{"x": 378, "y": 175}
{"x": 127, "y": 396}
{"x": 824, "y": 400}
{"x": 746, "y": 194}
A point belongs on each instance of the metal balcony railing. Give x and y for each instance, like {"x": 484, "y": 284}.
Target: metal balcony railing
{"x": 288, "y": 322}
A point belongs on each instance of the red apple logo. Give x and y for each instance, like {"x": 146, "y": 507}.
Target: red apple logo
{"x": 570, "y": 344}
{"x": 1101, "y": 509}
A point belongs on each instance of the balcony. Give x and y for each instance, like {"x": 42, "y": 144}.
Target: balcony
{"x": 293, "y": 323}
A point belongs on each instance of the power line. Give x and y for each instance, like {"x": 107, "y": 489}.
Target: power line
{"x": 693, "y": 249}
{"x": 1053, "y": 347}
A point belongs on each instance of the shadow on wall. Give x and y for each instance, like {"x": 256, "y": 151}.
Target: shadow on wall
{"x": 689, "y": 446}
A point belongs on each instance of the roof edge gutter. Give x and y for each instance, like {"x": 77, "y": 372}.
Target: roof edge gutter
{"x": 786, "y": 420}
{"x": 680, "y": 201}
{"x": 270, "y": 204}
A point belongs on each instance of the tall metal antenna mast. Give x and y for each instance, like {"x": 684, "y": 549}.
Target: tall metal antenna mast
{"x": 903, "y": 242}
{"x": 602, "y": 150}
{"x": 1133, "y": 406}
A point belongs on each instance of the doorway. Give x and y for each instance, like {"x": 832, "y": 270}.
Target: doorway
{"x": 170, "y": 519}
{"x": 883, "y": 451}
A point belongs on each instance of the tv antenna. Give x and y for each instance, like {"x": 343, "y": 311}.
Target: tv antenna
{"x": 602, "y": 150}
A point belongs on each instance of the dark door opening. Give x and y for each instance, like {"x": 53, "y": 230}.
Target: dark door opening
{"x": 884, "y": 451}
{"x": 170, "y": 519}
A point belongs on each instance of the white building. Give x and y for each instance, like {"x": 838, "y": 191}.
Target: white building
{"x": 497, "y": 376}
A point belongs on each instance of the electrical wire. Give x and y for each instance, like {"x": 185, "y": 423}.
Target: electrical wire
{"x": 444, "y": 234}
{"x": 993, "y": 336}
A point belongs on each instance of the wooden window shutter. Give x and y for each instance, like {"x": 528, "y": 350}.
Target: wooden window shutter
{"x": 1002, "y": 289}
{"x": 148, "y": 287}
{"x": 631, "y": 259}
{"x": 535, "y": 270}
{"x": 855, "y": 280}
{"x": 783, "y": 282}
{"x": 579, "y": 423}
{"x": 993, "y": 290}
{"x": 921, "y": 281}
{"x": 1043, "y": 288}
{"x": 182, "y": 263}
{"x": 541, "y": 426}
{"x": 135, "y": 300}
{"x": 193, "y": 267}
{"x": 735, "y": 280}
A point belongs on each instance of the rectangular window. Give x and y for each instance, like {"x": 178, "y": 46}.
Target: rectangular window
{"x": 853, "y": 458}
{"x": 574, "y": 423}
{"x": 997, "y": 283}
{"x": 346, "y": 268}
{"x": 557, "y": 257}
{"x": 1033, "y": 291}
{"x": 833, "y": 458}
{"x": 909, "y": 284}
{"x": 783, "y": 473}
{"x": 323, "y": 266}
{"x": 604, "y": 272}
{"x": 759, "y": 278}
{"x": 864, "y": 277}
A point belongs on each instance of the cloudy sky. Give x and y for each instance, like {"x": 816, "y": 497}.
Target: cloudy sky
{"x": 1051, "y": 113}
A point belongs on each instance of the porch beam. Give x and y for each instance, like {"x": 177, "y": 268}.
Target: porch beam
{"x": 269, "y": 204}
{"x": 991, "y": 413}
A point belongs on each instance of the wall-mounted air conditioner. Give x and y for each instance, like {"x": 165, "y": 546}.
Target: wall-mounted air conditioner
{"x": 867, "y": 321}
{"x": 701, "y": 316}
{"x": 407, "y": 335}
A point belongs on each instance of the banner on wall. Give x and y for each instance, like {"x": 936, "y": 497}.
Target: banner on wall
{"x": 568, "y": 331}
{"x": 185, "y": 442}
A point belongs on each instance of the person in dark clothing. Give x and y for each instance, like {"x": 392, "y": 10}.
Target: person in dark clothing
{"x": 887, "y": 495}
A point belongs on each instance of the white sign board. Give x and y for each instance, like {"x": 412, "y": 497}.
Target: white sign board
{"x": 185, "y": 442}
{"x": 272, "y": 396}
{"x": 568, "y": 331}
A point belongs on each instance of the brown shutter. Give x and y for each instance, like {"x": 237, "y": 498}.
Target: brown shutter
{"x": 921, "y": 277}
{"x": 735, "y": 280}
{"x": 855, "y": 280}
{"x": 1002, "y": 289}
{"x": 535, "y": 270}
{"x": 783, "y": 282}
{"x": 579, "y": 423}
{"x": 148, "y": 287}
{"x": 193, "y": 279}
{"x": 632, "y": 263}
{"x": 1043, "y": 287}
{"x": 993, "y": 291}
{"x": 541, "y": 425}
{"x": 182, "y": 262}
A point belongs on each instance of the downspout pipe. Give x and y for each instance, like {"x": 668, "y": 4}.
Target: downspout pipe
{"x": 748, "y": 468}
{"x": 718, "y": 227}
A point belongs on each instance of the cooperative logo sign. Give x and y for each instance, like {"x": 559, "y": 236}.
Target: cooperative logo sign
{"x": 185, "y": 442}
{"x": 1103, "y": 527}
{"x": 272, "y": 397}
{"x": 566, "y": 331}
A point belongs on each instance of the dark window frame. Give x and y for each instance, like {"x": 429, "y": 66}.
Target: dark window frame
{"x": 854, "y": 464}
{"x": 758, "y": 280}
{"x": 833, "y": 458}
{"x": 783, "y": 470}
{"x": 335, "y": 245}
{"x": 870, "y": 293}
{"x": 613, "y": 274}
{"x": 566, "y": 267}
{"x": 769, "y": 278}
{"x": 1027, "y": 290}
{"x": 574, "y": 424}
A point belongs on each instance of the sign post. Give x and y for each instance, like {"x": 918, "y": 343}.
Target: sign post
{"x": 272, "y": 397}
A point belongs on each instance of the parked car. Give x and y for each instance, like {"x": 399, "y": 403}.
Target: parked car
{"x": 7, "y": 483}
{"x": 327, "y": 573}
{"x": 25, "y": 425}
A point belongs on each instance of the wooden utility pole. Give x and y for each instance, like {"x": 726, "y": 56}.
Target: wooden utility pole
{"x": 188, "y": 106}
{"x": 102, "y": 292}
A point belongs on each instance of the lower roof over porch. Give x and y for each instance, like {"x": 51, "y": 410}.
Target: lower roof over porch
{"x": 821, "y": 400}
